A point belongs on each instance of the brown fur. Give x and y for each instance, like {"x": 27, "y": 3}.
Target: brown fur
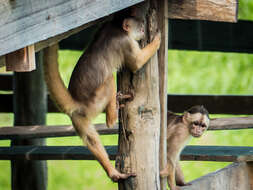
{"x": 180, "y": 129}
{"x": 92, "y": 87}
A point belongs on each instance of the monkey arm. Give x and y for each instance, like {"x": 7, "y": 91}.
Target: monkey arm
{"x": 140, "y": 56}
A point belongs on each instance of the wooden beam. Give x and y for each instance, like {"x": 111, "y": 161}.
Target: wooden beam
{"x": 6, "y": 82}
{"x": 22, "y": 60}
{"x": 40, "y": 131}
{"x": 216, "y": 10}
{"x": 211, "y": 36}
{"x": 190, "y": 153}
{"x": 234, "y": 176}
{"x": 215, "y": 104}
{"x": 140, "y": 118}
{"x": 24, "y": 22}
{"x": 53, "y": 40}
{"x": 163, "y": 78}
{"x": 30, "y": 108}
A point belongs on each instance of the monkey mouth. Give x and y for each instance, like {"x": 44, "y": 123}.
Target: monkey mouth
{"x": 196, "y": 135}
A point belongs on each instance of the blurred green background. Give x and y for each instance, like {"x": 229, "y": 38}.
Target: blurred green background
{"x": 189, "y": 72}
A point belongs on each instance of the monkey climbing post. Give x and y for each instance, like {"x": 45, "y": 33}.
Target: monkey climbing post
{"x": 140, "y": 118}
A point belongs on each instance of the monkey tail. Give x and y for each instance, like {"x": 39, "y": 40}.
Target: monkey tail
{"x": 59, "y": 93}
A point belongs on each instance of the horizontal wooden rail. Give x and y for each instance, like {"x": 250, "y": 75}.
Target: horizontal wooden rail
{"x": 190, "y": 35}
{"x": 211, "y": 36}
{"x": 215, "y": 104}
{"x": 37, "y": 131}
{"x": 192, "y": 153}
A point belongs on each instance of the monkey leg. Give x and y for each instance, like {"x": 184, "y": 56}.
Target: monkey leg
{"x": 169, "y": 171}
{"x": 90, "y": 137}
{"x": 179, "y": 175}
{"x": 111, "y": 108}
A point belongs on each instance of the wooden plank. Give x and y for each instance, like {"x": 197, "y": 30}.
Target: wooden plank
{"x": 233, "y": 177}
{"x": 40, "y": 131}
{"x": 190, "y": 153}
{"x": 211, "y": 36}
{"x": 30, "y": 109}
{"x": 215, "y": 104}
{"x": 53, "y": 40}
{"x": 6, "y": 82}
{"x": 191, "y": 35}
{"x": 24, "y": 22}
{"x": 163, "y": 78}
{"x": 22, "y": 60}
{"x": 216, "y": 10}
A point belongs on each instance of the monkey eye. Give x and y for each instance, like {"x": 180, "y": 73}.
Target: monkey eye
{"x": 203, "y": 125}
{"x": 195, "y": 123}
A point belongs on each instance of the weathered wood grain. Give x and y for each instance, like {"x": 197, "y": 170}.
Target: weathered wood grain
{"x": 233, "y": 177}
{"x": 190, "y": 153}
{"x": 22, "y": 60}
{"x": 39, "y": 131}
{"x": 26, "y": 22}
{"x": 163, "y": 78}
{"x": 216, "y": 10}
{"x": 140, "y": 118}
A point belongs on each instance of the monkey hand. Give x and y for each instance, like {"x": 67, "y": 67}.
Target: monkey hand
{"x": 157, "y": 39}
{"x": 164, "y": 172}
{"x": 116, "y": 176}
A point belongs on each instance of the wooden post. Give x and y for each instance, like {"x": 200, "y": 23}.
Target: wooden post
{"x": 21, "y": 60}
{"x": 140, "y": 118}
{"x": 30, "y": 108}
{"x": 163, "y": 73}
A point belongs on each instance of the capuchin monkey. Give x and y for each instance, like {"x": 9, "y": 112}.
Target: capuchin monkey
{"x": 180, "y": 129}
{"x": 92, "y": 87}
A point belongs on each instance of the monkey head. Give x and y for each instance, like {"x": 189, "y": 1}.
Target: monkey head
{"x": 197, "y": 120}
{"x": 134, "y": 27}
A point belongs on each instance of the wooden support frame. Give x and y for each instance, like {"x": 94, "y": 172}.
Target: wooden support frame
{"x": 163, "y": 78}
{"x": 39, "y": 20}
{"x": 215, "y": 10}
{"x": 22, "y": 60}
{"x": 40, "y": 131}
{"x": 30, "y": 109}
{"x": 140, "y": 118}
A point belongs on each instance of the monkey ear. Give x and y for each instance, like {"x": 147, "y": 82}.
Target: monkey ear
{"x": 186, "y": 117}
{"x": 125, "y": 25}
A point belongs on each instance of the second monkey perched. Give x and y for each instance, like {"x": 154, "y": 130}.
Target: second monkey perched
{"x": 180, "y": 129}
{"x": 92, "y": 87}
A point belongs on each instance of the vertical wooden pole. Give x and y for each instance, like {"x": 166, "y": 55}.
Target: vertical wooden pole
{"x": 163, "y": 77}
{"x": 30, "y": 108}
{"x": 140, "y": 118}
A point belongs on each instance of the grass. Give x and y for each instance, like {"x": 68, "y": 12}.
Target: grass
{"x": 189, "y": 72}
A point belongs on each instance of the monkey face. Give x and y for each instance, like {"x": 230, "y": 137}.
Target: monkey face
{"x": 134, "y": 27}
{"x": 197, "y": 123}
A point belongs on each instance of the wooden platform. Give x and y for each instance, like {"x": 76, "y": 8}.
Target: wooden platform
{"x": 191, "y": 153}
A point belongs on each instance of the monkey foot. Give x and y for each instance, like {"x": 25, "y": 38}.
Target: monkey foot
{"x": 121, "y": 96}
{"x": 116, "y": 176}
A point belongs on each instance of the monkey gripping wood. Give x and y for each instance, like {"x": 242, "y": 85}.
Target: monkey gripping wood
{"x": 140, "y": 119}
